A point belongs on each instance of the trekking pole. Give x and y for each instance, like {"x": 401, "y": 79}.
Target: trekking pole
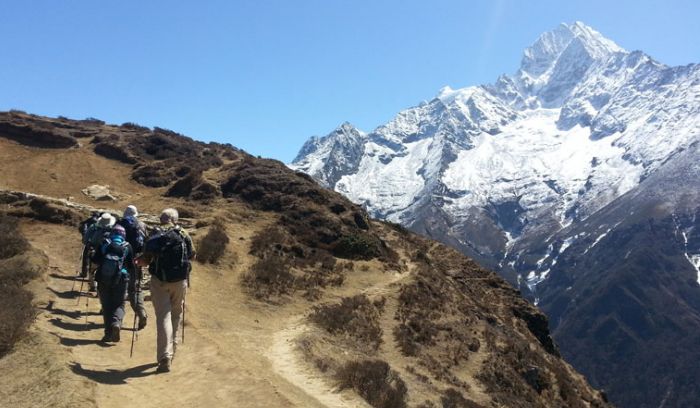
{"x": 87, "y": 310}
{"x": 137, "y": 290}
{"x": 133, "y": 336}
{"x": 183, "y": 320}
{"x": 80, "y": 292}
{"x": 79, "y": 269}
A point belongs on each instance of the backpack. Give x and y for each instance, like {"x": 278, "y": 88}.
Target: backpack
{"x": 109, "y": 274}
{"x": 171, "y": 262}
{"x": 134, "y": 235}
{"x": 86, "y": 225}
{"x": 96, "y": 235}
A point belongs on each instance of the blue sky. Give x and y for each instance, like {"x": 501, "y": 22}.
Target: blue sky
{"x": 266, "y": 75}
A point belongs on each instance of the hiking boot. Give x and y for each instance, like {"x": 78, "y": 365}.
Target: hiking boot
{"x": 106, "y": 338}
{"x": 163, "y": 366}
{"x": 115, "y": 334}
{"x": 142, "y": 322}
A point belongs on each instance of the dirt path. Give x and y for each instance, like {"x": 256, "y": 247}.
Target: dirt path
{"x": 289, "y": 362}
{"x": 221, "y": 363}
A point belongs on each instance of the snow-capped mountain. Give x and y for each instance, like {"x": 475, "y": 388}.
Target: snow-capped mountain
{"x": 522, "y": 174}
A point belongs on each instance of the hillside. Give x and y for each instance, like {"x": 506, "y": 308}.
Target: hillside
{"x": 311, "y": 304}
{"x": 554, "y": 176}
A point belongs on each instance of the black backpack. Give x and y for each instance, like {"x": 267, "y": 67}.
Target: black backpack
{"x": 134, "y": 235}
{"x": 86, "y": 224}
{"x": 171, "y": 263}
{"x": 109, "y": 274}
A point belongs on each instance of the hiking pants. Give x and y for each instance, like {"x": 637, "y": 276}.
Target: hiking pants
{"x": 136, "y": 298}
{"x": 112, "y": 300}
{"x": 168, "y": 301}
{"x": 85, "y": 267}
{"x": 137, "y": 304}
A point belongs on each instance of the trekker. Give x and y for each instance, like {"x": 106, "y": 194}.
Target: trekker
{"x": 87, "y": 248}
{"x": 135, "y": 236}
{"x": 93, "y": 238}
{"x": 115, "y": 258}
{"x": 168, "y": 253}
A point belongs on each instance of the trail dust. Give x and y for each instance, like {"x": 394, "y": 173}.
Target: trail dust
{"x": 222, "y": 362}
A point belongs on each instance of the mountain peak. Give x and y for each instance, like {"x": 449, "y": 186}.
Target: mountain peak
{"x": 347, "y": 127}
{"x": 543, "y": 54}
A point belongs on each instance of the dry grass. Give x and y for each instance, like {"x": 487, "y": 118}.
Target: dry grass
{"x": 46, "y": 379}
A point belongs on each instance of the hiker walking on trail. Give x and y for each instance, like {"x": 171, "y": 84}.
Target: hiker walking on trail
{"x": 135, "y": 236}
{"x": 94, "y": 235}
{"x": 84, "y": 227}
{"x": 168, "y": 253}
{"x": 115, "y": 258}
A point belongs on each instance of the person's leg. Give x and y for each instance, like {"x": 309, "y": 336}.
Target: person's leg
{"x": 119, "y": 294}
{"x": 85, "y": 266}
{"x": 106, "y": 313}
{"x": 178, "y": 291}
{"x": 164, "y": 329}
{"x": 136, "y": 300}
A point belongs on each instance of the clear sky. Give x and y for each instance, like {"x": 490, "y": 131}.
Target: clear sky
{"x": 265, "y": 75}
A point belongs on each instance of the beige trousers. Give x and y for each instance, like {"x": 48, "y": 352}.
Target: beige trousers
{"x": 168, "y": 301}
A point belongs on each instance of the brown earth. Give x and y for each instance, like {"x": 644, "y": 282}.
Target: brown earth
{"x": 434, "y": 330}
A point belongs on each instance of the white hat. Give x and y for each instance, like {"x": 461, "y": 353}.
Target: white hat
{"x": 131, "y": 211}
{"x": 106, "y": 220}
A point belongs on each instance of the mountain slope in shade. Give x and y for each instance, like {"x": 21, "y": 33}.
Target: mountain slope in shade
{"x": 514, "y": 173}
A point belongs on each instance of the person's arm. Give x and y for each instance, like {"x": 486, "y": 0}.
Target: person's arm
{"x": 191, "y": 252}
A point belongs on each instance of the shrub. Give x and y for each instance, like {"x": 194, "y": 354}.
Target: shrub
{"x": 354, "y": 316}
{"x": 18, "y": 265}
{"x": 269, "y": 276}
{"x": 358, "y": 246}
{"x": 114, "y": 152}
{"x": 212, "y": 247}
{"x": 135, "y": 126}
{"x": 44, "y": 211}
{"x": 452, "y": 398}
{"x": 374, "y": 381}
{"x": 154, "y": 175}
{"x": 11, "y": 241}
{"x": 16, "y": 313}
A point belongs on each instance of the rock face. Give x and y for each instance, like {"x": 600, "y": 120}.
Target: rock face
{"x": 518, "y": 174}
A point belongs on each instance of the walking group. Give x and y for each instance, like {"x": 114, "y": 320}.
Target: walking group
{"x": 115, "y": 252}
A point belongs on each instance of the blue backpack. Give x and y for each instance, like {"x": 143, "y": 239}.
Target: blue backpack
{"x": 134, "y": 235}
{"x": 111, "y": 270}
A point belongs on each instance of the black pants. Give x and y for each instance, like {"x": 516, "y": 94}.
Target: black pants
{"x": 87, "y": 254}
{"x": 112, "y": 300}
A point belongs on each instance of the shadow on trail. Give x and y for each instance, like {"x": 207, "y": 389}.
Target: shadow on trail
{"x": 70, "y": 342}
{"x": 78, "y": 326}
{"x": 66, "y": 277}
{"x": 114, "y": 376}
{"x": 69, "y": 294}
{"x": 73, "y": 314}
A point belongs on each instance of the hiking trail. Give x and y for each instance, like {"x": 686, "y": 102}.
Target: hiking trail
{"x": 221, "y": 363}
